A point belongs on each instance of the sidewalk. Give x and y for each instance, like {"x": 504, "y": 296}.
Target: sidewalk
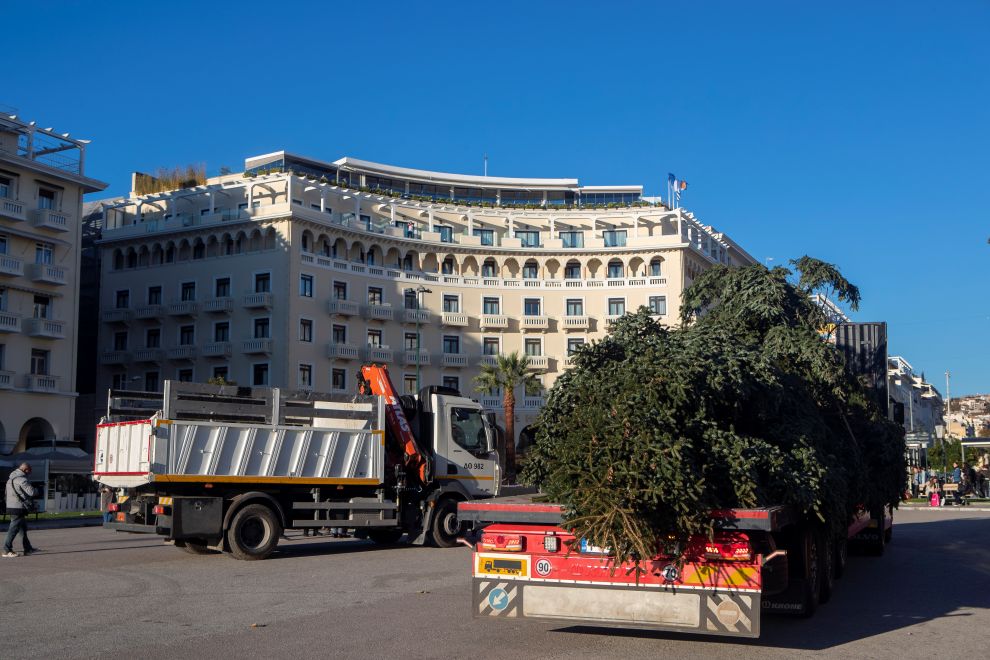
{"x": 59, "y": 523}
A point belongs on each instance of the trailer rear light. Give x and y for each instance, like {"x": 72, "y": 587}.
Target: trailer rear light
{"x": 734, "y": 547}
{"x": 113, "y": 507}
{"x": 503, "y": 542}
{"x": 161, "y": 510}
{"x": 551, "y": 543}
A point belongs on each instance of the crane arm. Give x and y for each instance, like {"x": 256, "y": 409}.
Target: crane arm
{"x": 416, "y": 461}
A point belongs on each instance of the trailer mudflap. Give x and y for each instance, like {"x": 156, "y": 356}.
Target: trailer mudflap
{"x": 706, "y": 611}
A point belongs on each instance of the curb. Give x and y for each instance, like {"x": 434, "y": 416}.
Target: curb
{"x": 61, "y": 523}
{"x": 954, "y": 507}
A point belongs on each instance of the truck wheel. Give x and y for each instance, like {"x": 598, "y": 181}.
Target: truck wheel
{"x": 194, "y": 547}
{"x": 888, "y": 534}
{"x": 841, "y": 557}
{"x": 876, "y": 546}
{"x": 385, "y": 536}
{"x": 826, "y": 554}
{"x": 444, "y": 527}
{"x": 811, "y": 573}
{"x": 254, "y": 532}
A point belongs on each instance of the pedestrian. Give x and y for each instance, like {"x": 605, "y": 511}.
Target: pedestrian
{"x": 20, "y": 502}
{"x": 106, "y": 499}
{"x": 956, "y": 473}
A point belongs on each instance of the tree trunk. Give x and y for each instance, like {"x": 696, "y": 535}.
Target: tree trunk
{"x": 509, "y": 405}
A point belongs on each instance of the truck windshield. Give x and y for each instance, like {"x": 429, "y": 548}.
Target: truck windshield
{"x": 467, "y": 428}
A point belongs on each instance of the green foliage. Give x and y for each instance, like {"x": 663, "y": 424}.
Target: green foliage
{"x": 165, "y": 179}
{"x": 743, "y": 405}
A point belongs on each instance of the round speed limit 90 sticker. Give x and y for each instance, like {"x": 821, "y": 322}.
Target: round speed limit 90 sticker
{"x": 543, "y": 567}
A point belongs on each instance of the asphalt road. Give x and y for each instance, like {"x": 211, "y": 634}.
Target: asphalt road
{"x": 97, "y": 593}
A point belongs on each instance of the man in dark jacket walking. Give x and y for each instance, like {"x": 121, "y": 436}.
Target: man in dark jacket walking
{"x": 19, "y": 494}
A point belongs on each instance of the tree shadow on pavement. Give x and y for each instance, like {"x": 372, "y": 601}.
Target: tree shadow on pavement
{"x": 931, "y": 570}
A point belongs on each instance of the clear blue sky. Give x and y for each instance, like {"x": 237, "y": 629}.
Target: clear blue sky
{"x": 856, "y": 132}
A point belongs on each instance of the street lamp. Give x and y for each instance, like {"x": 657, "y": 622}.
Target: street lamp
{"x": 418, "y": 291}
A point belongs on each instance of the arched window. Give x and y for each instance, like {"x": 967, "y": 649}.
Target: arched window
{"x": 447, "y": 267}
{"x": 655, "y": 267}
{"x": 572, "y": 271}
{"x": 407, "y": 263}
{"x": 614, "y": 269}
{"x": 529, "y": 270}
{"x": 305, "y": 242}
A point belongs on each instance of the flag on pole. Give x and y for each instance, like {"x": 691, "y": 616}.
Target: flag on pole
{"x": 678, "y": 187}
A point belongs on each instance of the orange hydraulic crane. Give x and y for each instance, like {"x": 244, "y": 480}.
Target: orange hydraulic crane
{"x": 376, "y": 379}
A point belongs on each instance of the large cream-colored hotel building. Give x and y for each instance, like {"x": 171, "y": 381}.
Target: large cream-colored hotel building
{"x": 297, "y": 271}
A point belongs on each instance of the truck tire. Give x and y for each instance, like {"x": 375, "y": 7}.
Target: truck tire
{"x": 826, "y": 554}
{"x": 385, "y": 536}
{"x": 875, "y": 547}
{"x": 194, "y": 547}
{"x": 841, "y": 557}
{"x": 254, "y": 532}
{"x": 444, "y": 526}
{"x": 810, "y": 573}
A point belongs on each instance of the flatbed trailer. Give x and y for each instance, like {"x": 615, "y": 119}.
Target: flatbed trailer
{"x": 526, "y": 564}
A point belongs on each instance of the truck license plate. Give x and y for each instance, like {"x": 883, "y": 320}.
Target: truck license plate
{"x": 588, "y": 549}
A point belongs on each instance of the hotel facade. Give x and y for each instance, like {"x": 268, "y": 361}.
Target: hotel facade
{"x": 42, "y": 183}
{"x": 296, "y": 271}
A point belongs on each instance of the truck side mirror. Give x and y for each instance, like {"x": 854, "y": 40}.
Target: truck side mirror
{"x": 490, "y": 432}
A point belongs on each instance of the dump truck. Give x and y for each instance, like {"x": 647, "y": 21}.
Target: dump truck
{"x": 227, "y": 468}
{"x": 526, "y": 564}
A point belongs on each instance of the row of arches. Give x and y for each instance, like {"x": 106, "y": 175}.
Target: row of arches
{"x": 35, "y": 432}
{"x": 468, "y": 265}
{"x": 198, "y": 247}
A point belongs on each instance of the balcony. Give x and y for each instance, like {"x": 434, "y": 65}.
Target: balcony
{"x": 257, "y": 346}
{"x": 488, "y": 360}
{"x": 343, "y": 308}
{"x": 46, "y": 273}
{"x": 378, "y": 313}
{"x": 6, "y": 380}
{"x": 149, "y": 355}
{"x": 533, "y": 402}
{"x": 494, "y": 322}
{"x": 12, "y": 209}
{"x": 535, "y": 323}
{"x": 491, "y": 402}
{"x": 569, "y": 361}
{"x": 183, "y": 308}
{"x": 454, "y": 319}
{"x": 218, "y": 306}
{"x": 220, "y": 349}
{"x": 182, "y": 353}
{"x": 342, "y": 352}
{"x": 117, "y": 315}
{"x": 261, "y": 300}
{"x": 454, "y": 360}
{"x": 115, "y": 357}
{"x": 537, "y": 362}
{"x": 378, "y": 354}
{"x": 148, "y": 312}
{"x": 575, "y": 323}
{"x": 41, "y": 383}
{"x": 10, "y": 322}
{"x": 416, "y": 316}
{"x": 410, "y": 358}
{"x": 45, "y": 328}
{"x": 49, "y": 219}
{"x": 11, "y": 266}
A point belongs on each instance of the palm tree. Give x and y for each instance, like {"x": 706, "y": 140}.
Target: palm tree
{"x": 508, "y": 373}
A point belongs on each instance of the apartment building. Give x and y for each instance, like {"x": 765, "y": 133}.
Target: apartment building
{"x": 914, "y": 403}
{"x": 42, "y": 183}
{"x": 296, "y": 271}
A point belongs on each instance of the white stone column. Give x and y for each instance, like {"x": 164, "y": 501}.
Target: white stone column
{"x": 392, "y": 209}
{"x": 212, "y": 202}
{"x": 323, "y": 199}
{"x": 470, "y": 220}
{"x": 636, "y": 226}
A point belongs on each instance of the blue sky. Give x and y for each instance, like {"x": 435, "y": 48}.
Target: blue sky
{"x": 854, "y": 132}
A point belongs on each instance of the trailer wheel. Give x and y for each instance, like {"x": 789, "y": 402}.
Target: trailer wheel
{"x": 253, "y": 532}
{"x": 841, "y": 557}
{"x": 811, "y": 573}
{"x": 385, "y": 536}
{"x": 444, "y": 527}
{"x": 194, "y": 547}
{"x": 826, "y": 554}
